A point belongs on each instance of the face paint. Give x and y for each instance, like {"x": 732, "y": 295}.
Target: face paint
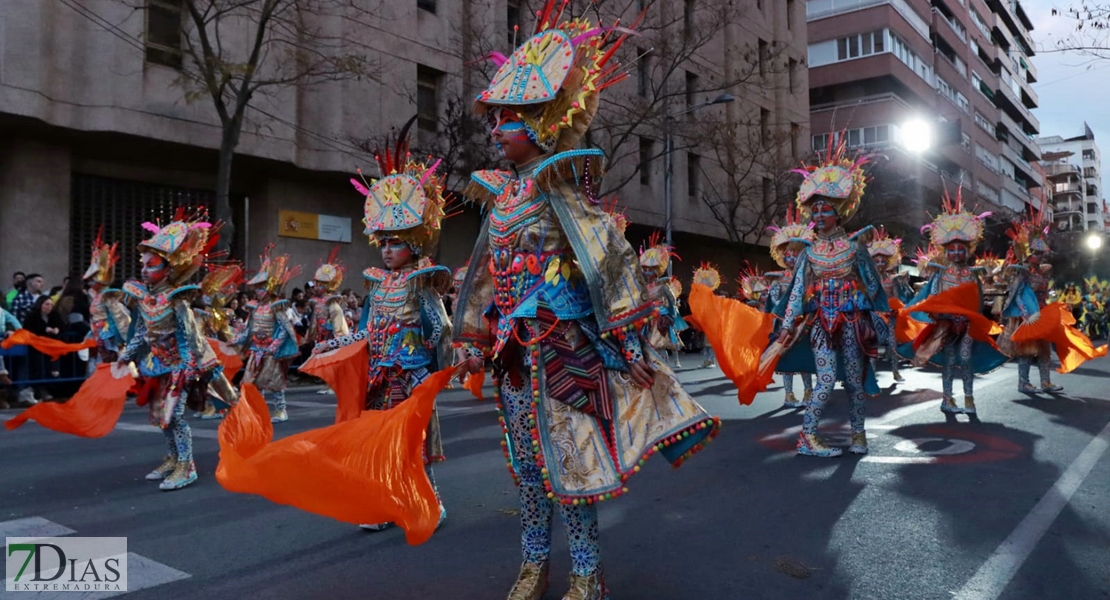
{"x": 1036, "y": 258}
{"x": 510, "y": 135}
{"x": 155, "y": 269}
{"x": 396, "y": 253}
{"x": 956, "y": 253}
{"x": 824, "y": 216}
{"x": 790, "y": 258}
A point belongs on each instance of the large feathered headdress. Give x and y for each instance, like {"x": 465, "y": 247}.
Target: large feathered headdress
{"x": 708, "y": 276}
{"x": 1027, "y": 235}
{"x": 329, "y": 275}
{"x": 837, "y": 177}
{"x": 657, "y": 256}
{"x": 275, "y": 271}
{"x": 889, "y": 248}
{"x": 553, "y": 80}
{"x": 752, "y": 282}
{"x": 793, "y": 232}
{"x": 407, "y": 202}
{"x": 186, "y": 243}
{"x": 102, "y": 266}
{"x": 955, "y": 224}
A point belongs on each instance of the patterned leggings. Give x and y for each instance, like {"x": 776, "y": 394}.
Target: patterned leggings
{"x": 536, "y": 509}
{"x": 788, "y": 382}
{"x": 961, "y": 361}
{"x": 277, "y": 397}
{"x": 179, "y": 437}
{"x": 825, "y": 355}
{"x": 1044, "y": 361}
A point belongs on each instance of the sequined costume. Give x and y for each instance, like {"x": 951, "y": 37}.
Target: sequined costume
{"x": 787, "y": 242}
{"x": 328, "y": 321}
{"x": 1027, "y": 286}
{"x": 269, "y": 342}
{"x": 707, "y": 275}
{"x": 662, "y": 333}
{"x": 833, "y": 297}
{"x": 554, "y": 299}
{"x": 167, "y": 345}
{"x": 887, "y": 254}
{"x": 109, "y": 319}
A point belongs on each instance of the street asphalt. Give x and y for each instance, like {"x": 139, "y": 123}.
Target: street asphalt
{"x": 1014, "y": 507}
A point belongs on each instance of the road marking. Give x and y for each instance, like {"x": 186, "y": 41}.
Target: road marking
{"x": 142, "y": 572}
{"x": 200, "y": 433}
{"x": 995, "y": 574}
{"x": 33, "y": 527}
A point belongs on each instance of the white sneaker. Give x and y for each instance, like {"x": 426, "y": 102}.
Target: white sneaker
{"x": 27, "y": 396}
{"x": 324, "y": 392}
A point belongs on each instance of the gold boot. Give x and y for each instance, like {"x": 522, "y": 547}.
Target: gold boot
{"x": 531, "y": 583}
{"x": 948, "y": 405}
{"x": 587, "y": 587}
{"x": 807, "y": 396}
{"x": 811, "y": 445}
{"x": 162, "y": 470}
{"x": 183, "y": 475}
{"x": 969, "y": 405}
{"x": 859, "y": 443}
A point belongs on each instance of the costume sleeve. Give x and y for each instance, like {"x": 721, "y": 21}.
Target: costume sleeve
{"x": 281, "y": 332}
{"x": 436, "y": 325}
{"x": 138, "y": 338}
{"x": 471, "y": 329}
{"x": 336, "y": 320}
{"x": 188, "y": 329}
{"x": 1021, "y": 301}
{"x": 790, "y": 307}
{"x": 872, "y": 280}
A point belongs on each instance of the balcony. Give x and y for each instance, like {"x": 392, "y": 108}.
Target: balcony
{"x": 952, "y": 25}
{"x": 823, "y": 9}
{"x": 1056, "y": 169}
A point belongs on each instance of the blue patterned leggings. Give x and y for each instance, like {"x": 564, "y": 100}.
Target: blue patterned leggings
{"x": 825, "y": 354}
{"x": 957, "y": 355}
{"x": 277, "y": 397}
{"x": 1044, "y": 362}
{"x": 179, "y": 437}
{"x": 788, "y": 382}
{"x": 536, "y": 509}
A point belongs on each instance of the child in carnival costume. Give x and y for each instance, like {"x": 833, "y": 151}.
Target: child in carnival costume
{"x": 654, "y": 263}
{"x": 404, "y": 318}
{"x": 950, "y": 343}
{"x": 787, "y": 242}
{"x": 269, "y": 342}
{"x": 167, "y": 344}
{"x": 833, "y": 299}
{"x": 707, "y": 275}
{"x": 218, "y": 287}
{"x": 887, "y": 254}
{"x": 555, "y": 299}
{"x": 1027, "y": 277}
{"x": 753, "y": 287}
{"x": 328, "y": 321}
{"x": 109, "y": 319}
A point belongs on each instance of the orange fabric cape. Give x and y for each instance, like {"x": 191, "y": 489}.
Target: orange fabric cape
{"x": 738, "y": 334}
{"x": 228, "y": 357}
{"x": 346, "y": 371}
{"x": 366, "y": 470}
{"x": 906, "y": 328}
{"x": 474, "y": 383}
{"x": 55, "y": 349}
{"x": 1055, "y": 326}
{"x": 92, "y": 412}
{"x": 964, "y": 301}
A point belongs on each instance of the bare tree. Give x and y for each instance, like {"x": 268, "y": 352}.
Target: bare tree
{"x": 1091, "y": 29}
{"x": 235, "y": 51}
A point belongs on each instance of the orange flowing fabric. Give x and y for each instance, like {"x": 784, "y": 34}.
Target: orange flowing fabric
{"x": 906, "y": 328}
{"x": 55, "y": 349}
{"x": 92, "y": 412}
{"x": 474, "y": 383}
{"x": 228, "y": 357}
{"x": 1055, "y": 326}
{"x": 738, "y": 334}
{"x": 366, "y": 470}
{"x": 346, "y": 371}
{"x": 964, "y": 301}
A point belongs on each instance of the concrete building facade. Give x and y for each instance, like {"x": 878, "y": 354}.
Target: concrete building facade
{"x": 1075, "y": 168}
{"x": 98, "y": 131}
{"x": 964, "y": 67}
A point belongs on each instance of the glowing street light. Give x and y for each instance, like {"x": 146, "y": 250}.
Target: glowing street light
{"x": 917, "y": 136}
{"x": 1094, "y": 241}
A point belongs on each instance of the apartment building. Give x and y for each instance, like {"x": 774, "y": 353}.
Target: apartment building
{"x": 98, "y": 130}
{"x": 963, "y": 67}
{"x": 1074, "y": 166}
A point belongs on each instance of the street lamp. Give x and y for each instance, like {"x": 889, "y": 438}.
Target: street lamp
{"x": 1094, "y": 242}
{"x": 917, "y": 136}
{"x": 668, "y": 171}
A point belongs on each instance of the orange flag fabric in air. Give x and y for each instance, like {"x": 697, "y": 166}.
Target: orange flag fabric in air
{"x": 55, "y": 349}
{"x": 738, "y": 334}
{"x": 962, "y": 300}
{"x": 228, "y": 357}
{"x": 92, "y": 412}
{"x": 474, "y": 383}
{"x": 1055, "y": 326}
{"x": 365, "y": 470}
{"x": 906, "y": 328}
{"x": 346, "y": 371}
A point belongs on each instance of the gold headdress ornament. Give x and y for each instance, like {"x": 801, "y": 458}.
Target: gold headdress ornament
{"x": 102, "y": 267}
{"x": 615, "y": 214}
{"x": 1027, "y": 235}
{"x": 219, "y": 286}
{"x": 329, "y": 275}
{"x": 882, "y": 245}
{"x": 554, "y": 78}
{"x": 837, "y": 178}
{"x": 925, "y": 256}
{"x": 186, "y": 243}
{"x": 955, "y": 224}
{"x": 275, "y": 271}
{"x": 657, "y": 256}
{"x": 708, "y": 276}
{"x": 793, "y": 232}
{"x": 407, "y": 202}
{"x": 752, "y": 282}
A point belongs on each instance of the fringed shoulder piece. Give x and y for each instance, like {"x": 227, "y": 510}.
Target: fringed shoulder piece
{"x": 374, "y": 274}
{"x": 486, "y": 186}
{"x": 583, "y": 167}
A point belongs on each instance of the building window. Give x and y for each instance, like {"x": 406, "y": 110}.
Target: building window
{"x": 855, "y": 46}
{"x": 163, "y": 33}
{"x": 691, "y": 88}
{"x": 789, "y": 14}
{"x": 693, "y": 175}
{"x": 821, "y": 142}
{"x": 427, "y": 97}
{"x": 795, "y": 136}
{"x": 792, "y": 75}
{"x": 688, "y": 12}
{"x": 647, "y": 151}
{"x": 965, "y": 141}
{"x": 512, "y": 14}
{"x": 428, "y": 5}
{"x": 643, "y": 73}
{"x": 765, "y": 123}
{"x": 984, "y": 124}
{"x": 768, "y": 191}
{"x": 764, "y": 57}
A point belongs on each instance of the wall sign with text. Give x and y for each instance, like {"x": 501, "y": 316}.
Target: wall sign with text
{"x": 312, "y": 226}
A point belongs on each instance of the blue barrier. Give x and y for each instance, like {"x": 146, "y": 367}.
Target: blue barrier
{"x": 29, "y": 367}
